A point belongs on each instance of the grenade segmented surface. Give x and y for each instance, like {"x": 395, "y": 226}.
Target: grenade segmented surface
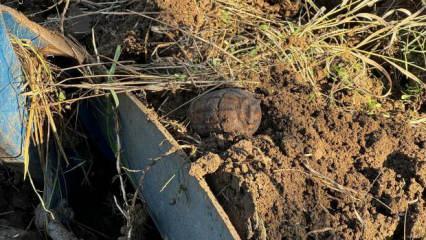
{"x": 232, "y": 111}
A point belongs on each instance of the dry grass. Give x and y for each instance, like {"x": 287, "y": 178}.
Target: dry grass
{"x": 38, "y": 73}
{"x": 239, "y": 42}
{"x": 48, "y": 97}
{"x": 349, "y": 44}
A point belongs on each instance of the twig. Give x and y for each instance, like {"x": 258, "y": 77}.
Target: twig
{"x": 94, "y": 46}
{"x": 322, "y": 230}
{"x": 48, "y": 9}
{"x": 43, "y": 205}
{"x": 121, "y": 209}
{"x": 358, "y": 216}
{"x": 63, "y": 15}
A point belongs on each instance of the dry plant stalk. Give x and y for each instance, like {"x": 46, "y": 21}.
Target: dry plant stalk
{"x": 38, "y": 74}
{"x": 46, "y": 94}
{"x": 240, "y": 42}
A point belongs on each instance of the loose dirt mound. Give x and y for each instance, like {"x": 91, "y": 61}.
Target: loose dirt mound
{"x": 316, "y": 171}
{"x": 193, "y": 13}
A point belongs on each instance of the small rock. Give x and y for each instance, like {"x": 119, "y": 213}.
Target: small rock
{"x": 307, "y": 150}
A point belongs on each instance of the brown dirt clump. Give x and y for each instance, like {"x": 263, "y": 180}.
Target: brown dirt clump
{"x": 316, "y": 171}
{"x": 207, "y": 164}
{"x": 286, "y": 8}
{"x": 186, "y": 12}
{"x": 197, "y": 14}
{"x": 127, "y": 30}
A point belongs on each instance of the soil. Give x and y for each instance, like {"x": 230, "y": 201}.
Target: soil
{"x": 313, "y": 170}
{"x": 316, "y": 168}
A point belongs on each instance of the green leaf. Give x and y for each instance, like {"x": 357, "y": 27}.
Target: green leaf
{"x": 180, "y": 77}
{"x": 226, "y": 17}
{"x": 405, "y": 97}
{"x": 264, "y": 27}
{"x": 61, "y": 96}
{"x": 253, "y": 52}
{"x": 216, "y": 61}
{"x": 373, "y": 105}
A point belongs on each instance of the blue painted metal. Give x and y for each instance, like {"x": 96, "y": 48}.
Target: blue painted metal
{"x": 182, "y": 206}
{"x": 12, "y": 107}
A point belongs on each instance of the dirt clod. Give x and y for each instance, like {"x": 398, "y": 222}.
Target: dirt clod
{"x": 205, "y": 165}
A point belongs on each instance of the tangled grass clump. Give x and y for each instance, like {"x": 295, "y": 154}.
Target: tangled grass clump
{"x": 350, "y": 45}
{"x": 39, "y": 82}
